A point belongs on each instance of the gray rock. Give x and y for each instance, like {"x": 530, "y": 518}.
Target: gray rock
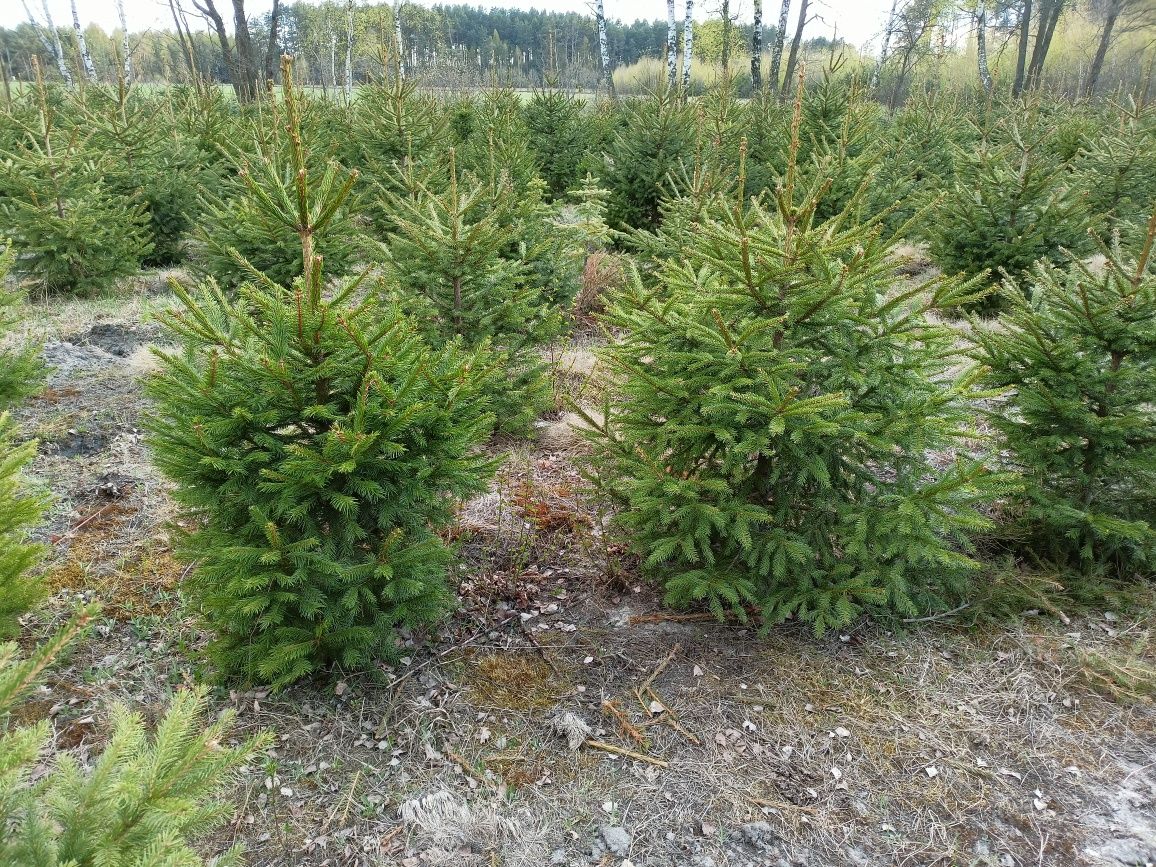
{"x": 1133, "y": 853}
{"x": 617, "y": 839}
{"x": 759, "y": 834}
{"x": 558, "y": 856}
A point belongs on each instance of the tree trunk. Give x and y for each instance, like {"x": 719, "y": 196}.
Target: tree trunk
{"x": 671, "y": 46}
{"x": 777, "y": 49}
{"x": 1022, "y": 50}
{"x": 604, "y": 47}
{"x": 246, "y": 58}
{"x": 1102, "y": 48}
{"x": 271, "y": 51}
{"x": 209, "y": 10}
{"x": 726, "y": 35}
{"x": 757, "y": 48}
{"x": 349, "y": 51}
{"x": 82, "y": 46}
{"x": 1048, "y": 18}
{"x": 186, "y": 50}
{"x": 127, "y": 59}
{"x": 51, "y": 45}
{"x": 981, "y": 45}
{"x": 886, "y": 46}
{"x": 793, "y": 58}
{"x": 397, "y": 39}
{"x": 687, "y": 47}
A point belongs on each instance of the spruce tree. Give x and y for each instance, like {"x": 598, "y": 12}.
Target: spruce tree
{"x": 462, "y": 263}
{"x": 653, "y": 138}
{"x": 73, "y": 232}
{"x": 317, "y": 444}
{"x": 20, "y": 367}
{"x": 248, "y": 223}
{"x": 1077, "y": 361}
{"x": 561, "y": 136}
{"x": 1012, "y": 204}
{"x": 20, "y": 372}
{"x": 1118, "y": 169}
{"x": 768, "y": 442}
{"x": 19, "y": 510}
{"x": 145, "y": 799}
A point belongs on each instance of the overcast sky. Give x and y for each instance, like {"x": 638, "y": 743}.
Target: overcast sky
{"x": 858, "y": 21}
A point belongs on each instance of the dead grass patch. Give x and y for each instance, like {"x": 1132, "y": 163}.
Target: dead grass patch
{"x": 514, "y": 681}
{"x": 142, "y": 583}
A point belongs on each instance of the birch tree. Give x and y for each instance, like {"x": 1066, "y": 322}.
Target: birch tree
{"x": 399, "y": 45}
{"x": 981, "y": 45}
{"x": 604, "y": 46}
{"x": 50, "y": 41}
{"x": 81, "y": 44}
{"x": 777, "y": 48}
{"x": 671, "y": 46}
{"x": 126, "y": 59}
{"x": 886, "y": 45}
{"x": 349, "y": 50}
{"x": 687, "y": 46}
{"x": 757, "y": 47}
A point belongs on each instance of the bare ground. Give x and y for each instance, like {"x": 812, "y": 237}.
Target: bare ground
{"x": 1022, "y": 744}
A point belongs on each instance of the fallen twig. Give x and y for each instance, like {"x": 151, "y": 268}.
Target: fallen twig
{"x": 620, "y": 751}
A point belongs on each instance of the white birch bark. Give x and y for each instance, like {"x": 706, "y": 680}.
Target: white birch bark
{"x": 687, "y": 46}
{"x": 349, "y": 50}
{"x": 981, "y": 45}
{"x": 124, "y": 47}
{"x": 604, "y": 46}
{"x": 671, "y": 45}
{"x": 777, "y": 50}
{"x": 82, "y": 45}
{"x": 397, "y": 38}
{"x": 757, "y": 47}
{"x": 51, "y": 45}
{"x": 886, "y": 46}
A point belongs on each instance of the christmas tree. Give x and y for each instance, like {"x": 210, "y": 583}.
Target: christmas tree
{"x": 1076, "y": 359}
{"x": 1118, "y": 169}
{"x": 563, "y": 134}
{"x": 778, "y": 398}
{"x": 19, "y": 375}
{"x": 72, "y": 231}
{"x": 1012, "y": 205}
{"x": 317, "y": 444}
{"x": 653, "y": 138}
{"x": 462, "y": 263}
{"x": 144, "y": 800}
{"x": 249, "y": 224}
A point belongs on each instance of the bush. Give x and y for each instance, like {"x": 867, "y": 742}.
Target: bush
{"x": 143, "y": 800}
{"x": 1079, "y": 420}
{"x": 317, "y": 444}
{"x": 769, "y": 442}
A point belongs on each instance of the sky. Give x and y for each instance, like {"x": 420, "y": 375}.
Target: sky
{"x": 860, "y": 22}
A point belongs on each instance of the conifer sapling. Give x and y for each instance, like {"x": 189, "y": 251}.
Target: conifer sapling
{"x": 317, "y": 443}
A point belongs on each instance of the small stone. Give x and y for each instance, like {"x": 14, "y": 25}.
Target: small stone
{"x": 617, "y": 839}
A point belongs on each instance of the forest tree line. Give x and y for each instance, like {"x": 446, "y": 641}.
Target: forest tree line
{"x": 1073, "y": 46}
